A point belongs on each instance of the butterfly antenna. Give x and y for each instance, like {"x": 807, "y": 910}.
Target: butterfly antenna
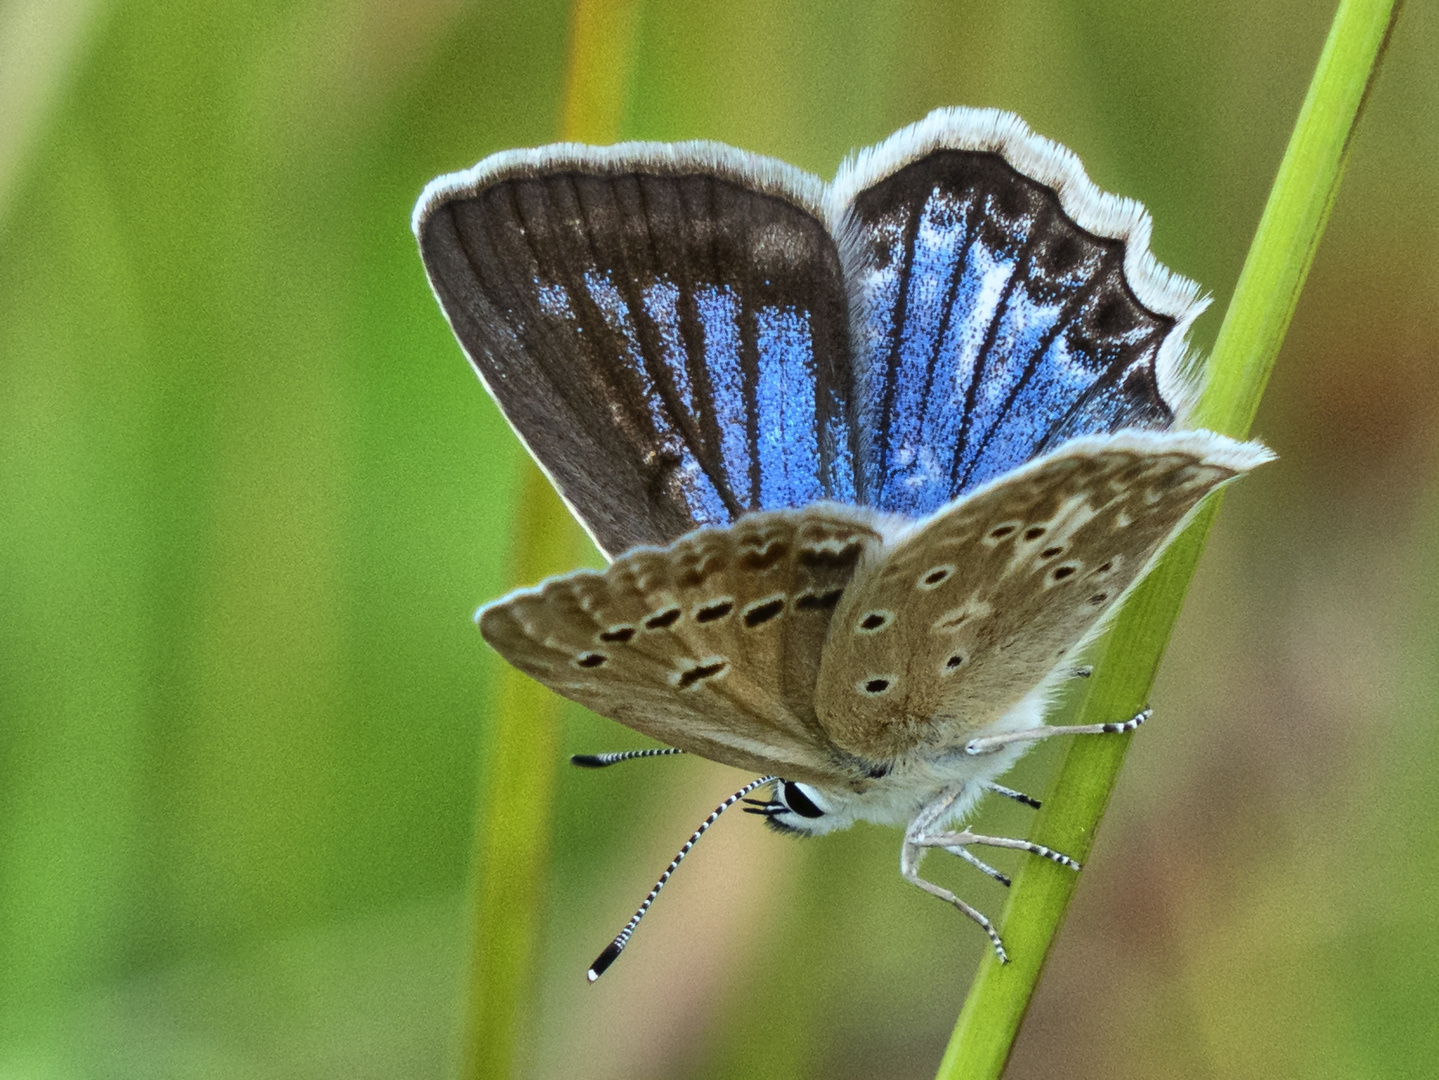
{"x": 603, "y": 761}
{"x": 612, "y": 952}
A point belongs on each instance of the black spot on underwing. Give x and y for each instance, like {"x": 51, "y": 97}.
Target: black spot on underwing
{"x": 710, "y": 612}
{"x": 824, "y": 601}
{"x": 763, "y": 612}
{"x": 702, "y": 671}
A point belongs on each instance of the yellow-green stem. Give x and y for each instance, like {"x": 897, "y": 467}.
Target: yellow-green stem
{"x": 1253, "y": 329}
{"x": 521, "y": 753}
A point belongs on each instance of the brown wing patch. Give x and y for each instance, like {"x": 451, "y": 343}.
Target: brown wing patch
{"x": 712, "y": 644}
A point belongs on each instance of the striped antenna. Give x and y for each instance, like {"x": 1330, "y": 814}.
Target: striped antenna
{"x": 602, "y": 761}
{"x": 612, "y": 952}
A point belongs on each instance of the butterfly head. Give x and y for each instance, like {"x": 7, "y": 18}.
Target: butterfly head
{"x": 801, "y": 809}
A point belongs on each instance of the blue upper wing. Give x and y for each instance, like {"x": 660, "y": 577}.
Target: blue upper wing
{"x": 989, "y": 327}
{"x": 684, "y": 333}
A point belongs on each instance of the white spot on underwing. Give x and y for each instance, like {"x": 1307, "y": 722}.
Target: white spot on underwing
{"x": 966, "y": 613}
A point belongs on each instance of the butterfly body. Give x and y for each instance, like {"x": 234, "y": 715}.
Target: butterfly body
{"x": 861, "y": 653}
{"x": 874, "y": 460}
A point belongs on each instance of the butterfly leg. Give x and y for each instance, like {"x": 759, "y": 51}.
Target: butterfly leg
{"x": 910, "y": 855}
{"x": 1009, "y": 793}
{"x": 980, "y": 865}
{"x": 915, "y": 848}
{"x": 986, "y": 744}
{"x": 963, "y": 838}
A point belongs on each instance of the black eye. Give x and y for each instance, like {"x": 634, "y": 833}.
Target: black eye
{"x": 799, "y": 802}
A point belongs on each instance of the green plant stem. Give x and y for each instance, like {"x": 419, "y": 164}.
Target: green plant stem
{"x": 1254, "y": 327}
{"x": 521, "y": 753}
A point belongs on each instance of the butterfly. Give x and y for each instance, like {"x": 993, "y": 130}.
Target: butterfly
{"x": 873, "y": 460}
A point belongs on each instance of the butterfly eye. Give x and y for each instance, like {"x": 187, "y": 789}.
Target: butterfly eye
{"x": 795, "y": 798}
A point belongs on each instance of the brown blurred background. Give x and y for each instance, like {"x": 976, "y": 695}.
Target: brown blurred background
{"x": 250, "y": 494}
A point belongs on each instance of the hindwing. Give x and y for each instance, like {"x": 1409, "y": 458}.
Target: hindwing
{"x": 945, "y": 631}
{"x": 712, "y": 644}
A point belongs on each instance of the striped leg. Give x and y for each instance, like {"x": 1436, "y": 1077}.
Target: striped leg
{"x": 1009, "y": 793}
{"x": 980, "y": 865}
{"x": 987, "y": 744}
{"x": 964, "y": 838}
{"x": 910, "y": 855}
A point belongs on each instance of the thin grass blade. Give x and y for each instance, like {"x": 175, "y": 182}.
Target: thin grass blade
{"x": 521, "y": 755}
{"x": 1254, "y": 326}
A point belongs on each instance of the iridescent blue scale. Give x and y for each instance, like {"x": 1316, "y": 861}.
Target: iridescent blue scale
{"x": 683, "y": 334}
{"x": 974, "y": 356}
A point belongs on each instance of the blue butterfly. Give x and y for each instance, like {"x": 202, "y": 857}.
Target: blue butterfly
{"x": 874, "y": 459}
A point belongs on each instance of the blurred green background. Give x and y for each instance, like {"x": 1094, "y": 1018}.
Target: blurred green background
{"x": 250, "y": 495}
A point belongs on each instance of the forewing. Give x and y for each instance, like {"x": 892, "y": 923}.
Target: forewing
{"x": 955, "y": 624}
{"x": 997, "y": 307}
{"x": 664, "y": 326}
{"x": 712, "y": 644}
